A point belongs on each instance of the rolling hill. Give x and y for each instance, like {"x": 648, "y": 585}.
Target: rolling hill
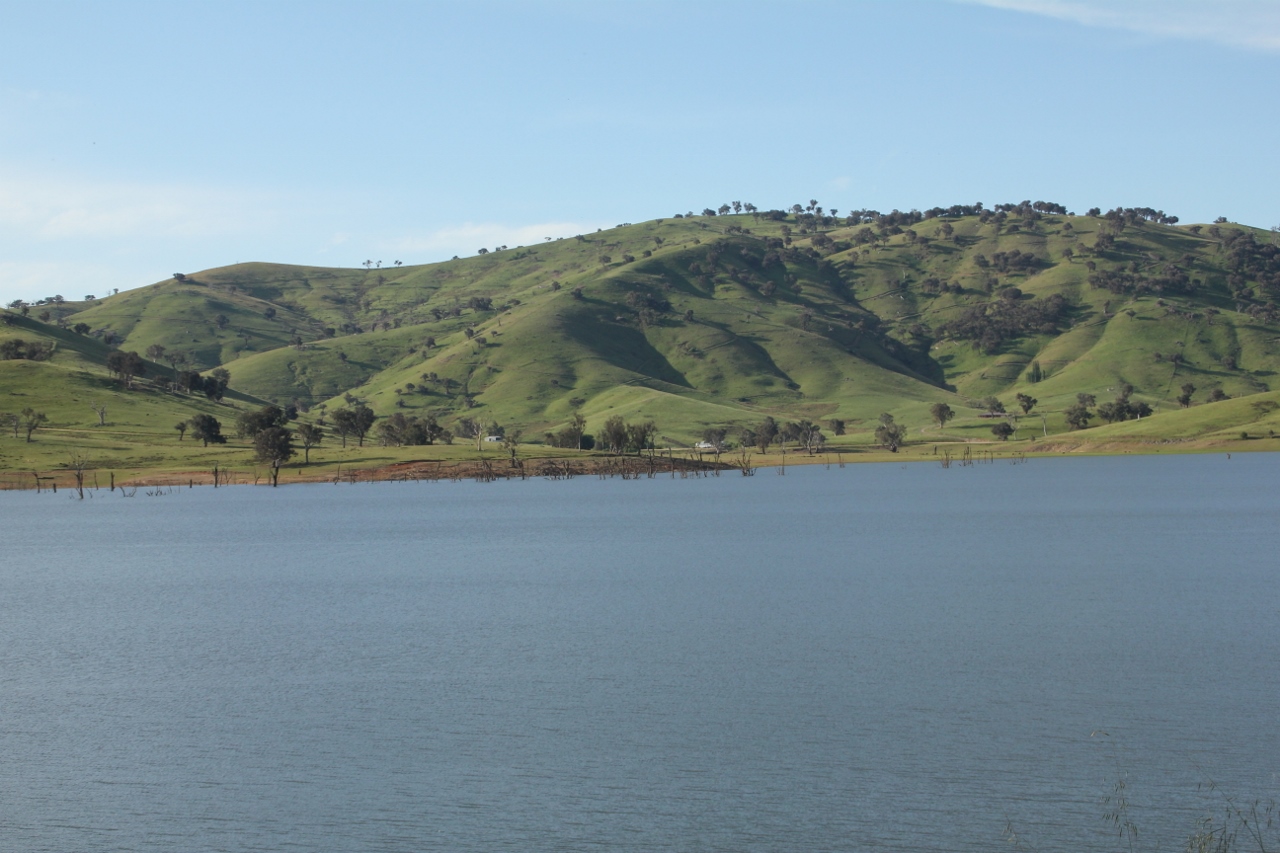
{"x": 722, "y": 320}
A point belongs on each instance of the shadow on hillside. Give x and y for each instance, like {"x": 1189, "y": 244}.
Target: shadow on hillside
{"x": 624, "y": 347}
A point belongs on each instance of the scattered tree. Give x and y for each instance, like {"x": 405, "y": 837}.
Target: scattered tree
{"x": 1184, "y": 399}
{"x": 941, "y": 413}
{"x": 32, "y": 420}
{"x": 766, "y": 433}
{"x": 640, "y": 436}
{"x": 1123, "y": 408}
{"x": 614, "y": 434}
{"x": 355, "y": 421}
{"x": 206, "y": 428}
{"x": 273, "y": 445}
{"x": 249, "y": 424}
{"x": 473, "y": 428}
{"x": 310, "y": 435}
{"x": 215, "y": 384}
{"x": 1002, "y": 430}
{"x": 715, "y": 436}
{"x": 1026, "y": 402}
{"x": 511, "y": 443}
{"x": 1078, "y": 415}
{"x": 125, "y": 366}
{"x": 810, "y": 435}
{"x": 890, "y": 434}
{"x": 570, "y": 436}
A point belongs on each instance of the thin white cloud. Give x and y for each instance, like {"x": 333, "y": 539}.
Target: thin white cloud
{"x": 1253, "y": 24}
{"x": 39, "y": 279}
{"x": 59, "y": 209}
{"x": 470, "y": 237}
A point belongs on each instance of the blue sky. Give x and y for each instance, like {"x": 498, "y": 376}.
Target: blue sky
{"x": 142, "y": 138}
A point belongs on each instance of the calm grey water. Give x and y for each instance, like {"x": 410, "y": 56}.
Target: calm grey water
{"x": 883, "y": 657}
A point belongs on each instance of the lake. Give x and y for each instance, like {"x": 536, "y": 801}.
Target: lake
{"x": 880, "y": 657}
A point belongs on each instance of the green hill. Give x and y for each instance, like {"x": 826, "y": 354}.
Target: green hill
{"x": 87, "y": 410}
{"x": 723, "y": 320}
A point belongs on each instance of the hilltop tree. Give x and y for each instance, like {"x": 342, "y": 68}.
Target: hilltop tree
{"x": 941, "y": 413}
{"x": 206, "y": 428}
{"x": 890, "y": 434}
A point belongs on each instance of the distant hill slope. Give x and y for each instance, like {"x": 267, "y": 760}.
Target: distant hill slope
{"x": 718, "y": 320}
{"x": 65, "y": 377}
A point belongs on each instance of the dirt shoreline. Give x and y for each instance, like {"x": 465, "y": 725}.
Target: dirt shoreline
{"x": 604, "y": 467}
{"x": 623, "y": 467}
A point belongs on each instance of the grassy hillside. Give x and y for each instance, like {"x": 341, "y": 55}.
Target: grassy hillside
{"x": 723, "y": 320}
{"x": 90, "y": 412}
